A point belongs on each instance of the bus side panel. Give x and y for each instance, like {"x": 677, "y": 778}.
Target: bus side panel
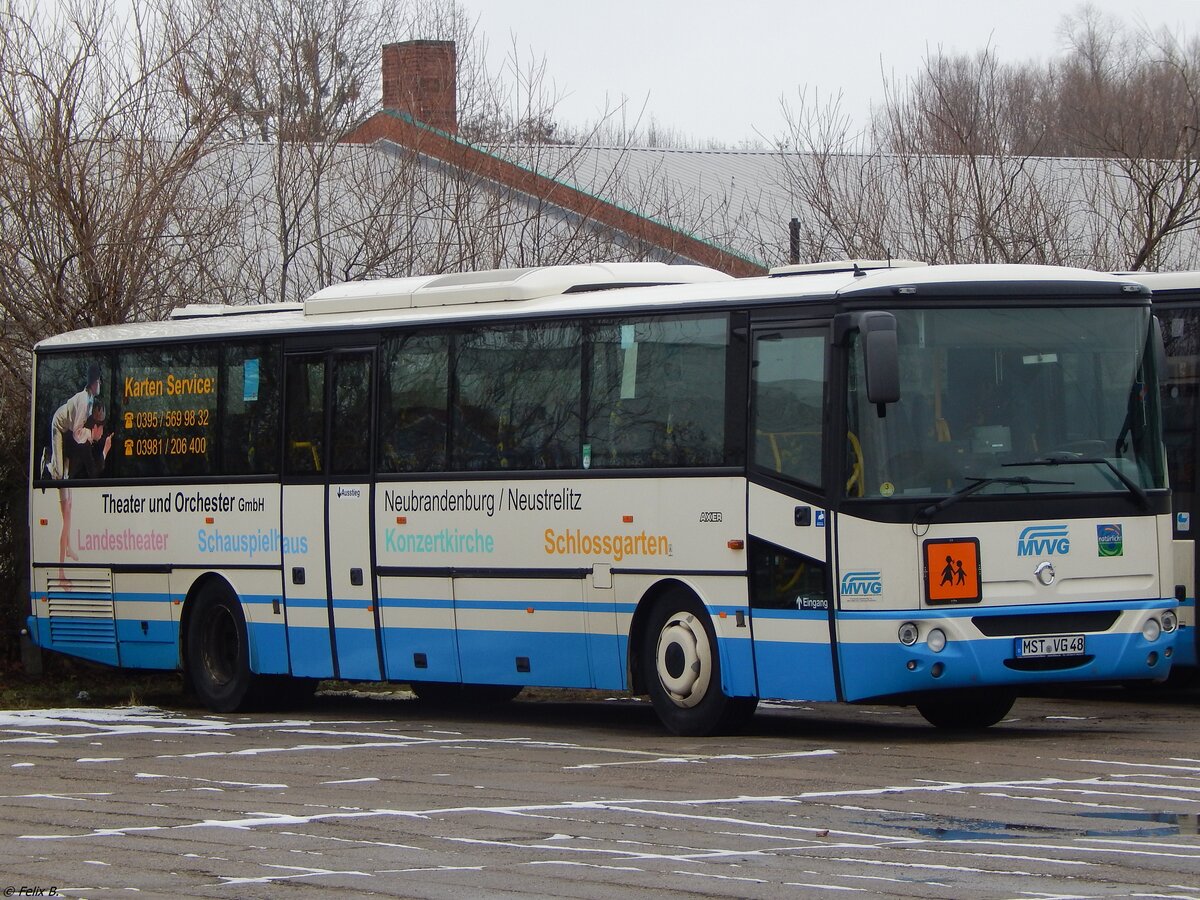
{"x": 147, "y": 620}
{"x": 521, "y": 631}
{"x": 728, "y": 604}
{"x": 73, "y": 613}
{"x": 305, "y": 579}
{"x": 607, "y": 638}
{"x": 354, "y": 618}
{"x": 417, "y": 619}
{"x": 1185, "y": 574}
{"x": 261, "y": 593}
{"x": 792, "y": 654}
{"x": 792, "y": 651}
{"x": 261, "y": 596}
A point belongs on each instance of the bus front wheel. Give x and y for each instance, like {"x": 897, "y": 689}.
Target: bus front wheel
{"x": 218, "y": 657}
{"x": 683, "y": 672}
{"x": 966, "y": 710}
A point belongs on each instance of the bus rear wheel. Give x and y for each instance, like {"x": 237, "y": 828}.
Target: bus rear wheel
{"x": 683, "y": 672}
{"x": 966, "y": 710}
{"x": 218, "y": 656}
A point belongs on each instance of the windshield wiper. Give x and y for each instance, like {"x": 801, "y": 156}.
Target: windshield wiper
{"x": 1055, "y": 459}
{"x": 978, "y": 485}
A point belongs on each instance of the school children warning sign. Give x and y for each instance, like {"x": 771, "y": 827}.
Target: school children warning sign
{"x": 952, "y": 570}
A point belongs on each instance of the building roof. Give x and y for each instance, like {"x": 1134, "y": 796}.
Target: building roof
{"x": 527, "y": 172}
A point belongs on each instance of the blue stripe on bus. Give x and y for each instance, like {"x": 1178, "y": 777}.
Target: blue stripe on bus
{"x": 792, "y": 614}
{"x": 567, "y": 659}
{"x": 358, "y": 654}
{"x": 88, "y": 638}
{"x": 307, "y": 602}
{"x": 736, "y": 657}
{"x": 555, "y": 605}
{"x": 142, "y": 597}
{"x": 556, "y": 659}
{"x": 794, "y": 670}
{"x": 938, "y": 612}
{"x": 416, "y": 602}
{"x": 437, "y": 647}
{"x": 310, "y": 651}
{"x": 149, "y": 655}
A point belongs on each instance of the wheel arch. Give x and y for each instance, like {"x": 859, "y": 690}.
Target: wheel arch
{"x": 204, "y": 582}
{"x": 641, "y": 616}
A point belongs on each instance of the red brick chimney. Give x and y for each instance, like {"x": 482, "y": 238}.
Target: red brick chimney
{"x": 418, "y": 79}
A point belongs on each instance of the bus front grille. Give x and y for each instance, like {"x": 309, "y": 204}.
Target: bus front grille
{"x": 1024, "y": 624}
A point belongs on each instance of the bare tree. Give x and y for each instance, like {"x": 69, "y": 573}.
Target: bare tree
{"x": 102, "y": 219}
{"x": 1134, "y": 100}
{"x": 1089, "y": 160}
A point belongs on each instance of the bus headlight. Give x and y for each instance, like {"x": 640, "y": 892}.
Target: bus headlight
{"x": 908, "y": 634}
{"x": 1170, "y": 621}
{"x": 1151, "y": 630}
{"x": 936, "y": 640}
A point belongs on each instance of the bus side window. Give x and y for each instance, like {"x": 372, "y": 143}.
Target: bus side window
{"x": 350, "y": 429}
{"x": 788, "y": 398}
{"x": 305, "y": 415}
{"x": 657, "y": 392}
{"x": 414, "y": 390}
{"x": 517, "y": 398}
{"x": 250, "y": 412}
{"x": 786, "y": 580}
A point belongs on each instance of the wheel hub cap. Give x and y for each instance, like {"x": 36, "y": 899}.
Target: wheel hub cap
{"x": 684, "y": 659}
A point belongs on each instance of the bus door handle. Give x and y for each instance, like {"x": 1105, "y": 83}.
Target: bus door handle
{"x": 356, "y": 577}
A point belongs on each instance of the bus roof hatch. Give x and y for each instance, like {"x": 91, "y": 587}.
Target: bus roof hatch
{"x": 498, "y": 285}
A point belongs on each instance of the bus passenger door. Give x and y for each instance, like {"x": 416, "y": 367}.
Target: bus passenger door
{"x": 327, "y": 516}
{"x": 790, "y": 590}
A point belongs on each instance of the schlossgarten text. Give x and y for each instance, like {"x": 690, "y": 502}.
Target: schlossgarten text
{"x": 565, "y": 542}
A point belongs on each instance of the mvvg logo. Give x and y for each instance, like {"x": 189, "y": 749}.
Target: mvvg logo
{"x": 1044, "y": 540}
{"x": 862, "y": 584}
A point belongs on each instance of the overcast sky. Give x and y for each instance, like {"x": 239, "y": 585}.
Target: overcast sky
{"x": 716, "y": 69}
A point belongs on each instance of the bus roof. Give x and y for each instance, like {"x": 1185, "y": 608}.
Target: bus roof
{"x": 1164, "y": 282}
{"x": 582, "y": 289}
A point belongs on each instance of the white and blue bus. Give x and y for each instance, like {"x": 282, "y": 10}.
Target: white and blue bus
{"x": 891, "y": 483}
{"x": 1177, "y": 305}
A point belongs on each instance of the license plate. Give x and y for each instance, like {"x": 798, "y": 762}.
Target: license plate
{"x": 1055, "y": 645}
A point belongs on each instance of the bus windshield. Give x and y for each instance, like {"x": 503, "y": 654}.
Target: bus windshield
{"x": 1061, "y": 400}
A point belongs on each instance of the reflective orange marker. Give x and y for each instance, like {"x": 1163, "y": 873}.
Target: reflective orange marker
{"x": 953, "y": 573}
